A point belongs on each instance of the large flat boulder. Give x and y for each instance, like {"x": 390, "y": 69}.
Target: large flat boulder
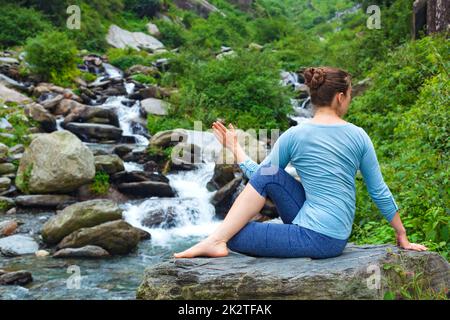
{"x": 55, "y": 163}
{"x": 352, "y": 275}
{"x": 17, "y": 245}
{"x": 10, "y": 95}
{"x": 79, "y": 215}
{"x": 94, "y": 132}
{"x": 121, "y": 38}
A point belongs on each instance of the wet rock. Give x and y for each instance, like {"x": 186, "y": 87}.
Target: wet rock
{"x": 6, "y": 168}
{"x": 55, "y": 163}
{"x": 223, "y": 198}
{"x": 120, "y": 38}
{"x": 66, "y": 106}
{"x": 185, "y": 156}
{"x": 223, "y": 173}
{"x": 122, "y": 150}
{"x": 17, "y": 245}
{"x": 19, "y": 278}
{"x": 83, "y": 113}
{"x": 10, "y": 95}
{"x": 138, "y": 176}
{"x": 164, "y": 218}
{"x": 93, "y": 132}
{"x": 89, "y": 251}
{"x": 246, "y": 277}
{"x": 6, "y": 204}
{"x": 79, "y": 215}
{"x": 48, "y": 201}
{"x": 52, "y": 102}
{"x": 109, "y": 164}
{"x": 39, "y": 114}
{"x": 116, "y": 237}
{"x": 49, "y": 88}
{"x": 8, "y": 227}
{"x": 18, "y": 148}
{"x": 146, "y": 189}
{"x": 168, "y": 138}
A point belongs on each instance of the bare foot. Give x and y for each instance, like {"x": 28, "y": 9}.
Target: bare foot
{"x": 205, "y": 248}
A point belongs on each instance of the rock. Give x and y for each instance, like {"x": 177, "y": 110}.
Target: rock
{"x": 147, "y": 189}
{"x": 116, "y": 237}
{"x": 52, "y": 102}
{"x": 42, "y": 253}
{"x": 223, "y": 198}
{"x": 254, "y": 148}
{"x": 18, "y": 148}
{"x": 79, "y": 215}
{"x": 238, "y": 276}
{"x": 10, "y": 95}
{"x": 109, "y": 164}
{"x": 185, "y": 156}
{"x": 11, "y": 211}
{"x": 93, "y": 132}
{"x": 6, "y": 168}
{"x": 39, "y": 114}
{"x": 151, "y": 92}
{"x": 7, "y": 228}
{"x": 168, "y": 138}
{"x": 6, "y": 204}
{"x": 92, "y": 252}
{"x": 49, "y": 88}
{"x": 153, "y": 29}
{"x": 223, "y": 173}
{"x": 19, "y": 278}
{"x": 9, "y": 60}
{"x": 138, "y": 176}
{"x": 120, "y": 38}
{"x": 122, "y": 150}
{"x": 138, "y": 68}
{"x": 84, "y": 113}
{"x": 154, "y": 106}
{"x": 17, "y": 245}
{"x": 55, "y": 163}
{"x": 361, "y": 86}
{"x": 159, "y": 218}
{"x": 66, "y": 106}
{"x": 4, "y": 150}
{"x": 49, "y": 201}
{"x": 201, "y": 7}
{"x": 5, "y": 183}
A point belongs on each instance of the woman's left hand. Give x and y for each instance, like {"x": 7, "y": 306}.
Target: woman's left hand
{"x": 403, "y": 242}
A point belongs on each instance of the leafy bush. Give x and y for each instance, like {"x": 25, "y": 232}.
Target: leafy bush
{"x": 144, "y": 8}
{"x": 172, "y": 34}
{"x": 100, "y": 185}
{"x": 145, "y": 79}
{"x": 406, "y": 114}
{"x": 17, "y": 24}
{"x": 52, "y": 55}
{"x": 19, "y": 134}
{"x": 126, "y": 58}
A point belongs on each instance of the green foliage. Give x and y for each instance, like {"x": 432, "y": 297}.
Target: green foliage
{"x": 406, "y": 114}
{"x": 142, "y": 78}
{"x": 243, "y": 89}
{"x": 144, "y": 8}
{"x": 126, "y": 58}
{"x": 52, "y": 55}
{"x": 17, "y": 24}
{"x": 19, "y": 134}
{"x": 172, "y": 34}
{"x": 100, "y": 185}
{"x": 88, "y": 77}
{"x": 23, "y": 179}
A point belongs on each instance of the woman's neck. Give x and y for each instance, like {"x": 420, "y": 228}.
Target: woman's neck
{"x": 326, "y": 115}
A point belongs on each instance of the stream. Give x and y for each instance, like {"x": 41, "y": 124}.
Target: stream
{"x": 118, "y": 277}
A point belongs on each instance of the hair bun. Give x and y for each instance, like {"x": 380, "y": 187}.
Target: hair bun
{"x": 314, "y": 77}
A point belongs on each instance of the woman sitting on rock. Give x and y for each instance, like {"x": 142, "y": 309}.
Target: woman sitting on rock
{"x": 317, "y": 213}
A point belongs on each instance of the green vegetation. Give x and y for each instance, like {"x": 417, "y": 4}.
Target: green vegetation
{"x": 19, "y": 134}
{"x": 23, "y": 179}
{"x": 52, "y": 55}
{"x": 100, "y": 185}
{"x": 17, "y": 24}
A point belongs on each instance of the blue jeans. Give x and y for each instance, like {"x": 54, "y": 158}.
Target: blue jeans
{"x": 285, "y": 240}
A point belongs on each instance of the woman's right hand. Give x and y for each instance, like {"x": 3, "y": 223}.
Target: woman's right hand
{"x": 227, "y": 137}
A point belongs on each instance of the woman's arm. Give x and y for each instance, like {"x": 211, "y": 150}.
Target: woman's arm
{"x": 278, "y": 156}
{"x": 402, "y": 239}
{"x": 382, "y": 196}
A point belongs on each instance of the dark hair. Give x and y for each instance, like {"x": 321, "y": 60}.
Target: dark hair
{"x": 324, "y": 83}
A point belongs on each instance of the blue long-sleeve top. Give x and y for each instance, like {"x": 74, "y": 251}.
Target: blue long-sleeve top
{"x": 327, "y": 158}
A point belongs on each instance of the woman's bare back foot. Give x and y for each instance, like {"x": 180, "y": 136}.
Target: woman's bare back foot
{"x": 205, "y": 248}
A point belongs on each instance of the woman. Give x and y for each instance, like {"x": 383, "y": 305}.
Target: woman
{"x": 317, "y": 213}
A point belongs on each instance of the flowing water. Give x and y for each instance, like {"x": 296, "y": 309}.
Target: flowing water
{"x": 118, "y": 277}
